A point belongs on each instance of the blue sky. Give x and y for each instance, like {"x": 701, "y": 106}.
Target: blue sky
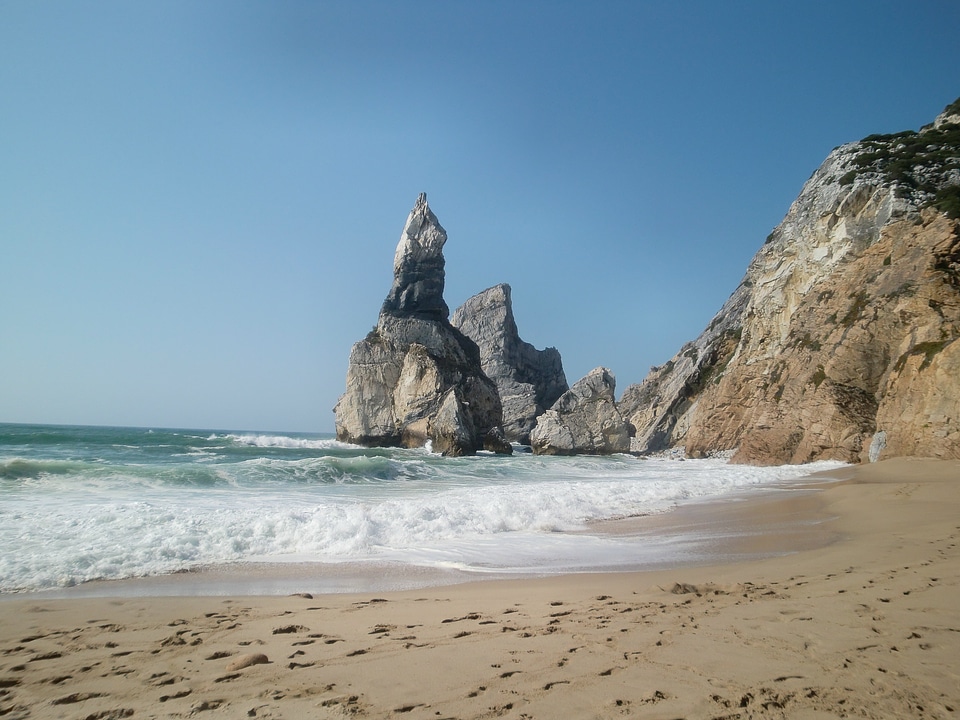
{"x": 200, "y": 201}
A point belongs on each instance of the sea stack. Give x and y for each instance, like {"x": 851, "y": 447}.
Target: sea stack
{"x": 529, "y": 380}
{"x": 415, "y": 378}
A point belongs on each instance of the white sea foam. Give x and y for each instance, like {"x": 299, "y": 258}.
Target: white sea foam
{"x": 405, "y": 506}
{"x": 284, "y": 441}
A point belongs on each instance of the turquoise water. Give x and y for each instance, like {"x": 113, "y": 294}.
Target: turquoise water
{"x": 88, "y": 503}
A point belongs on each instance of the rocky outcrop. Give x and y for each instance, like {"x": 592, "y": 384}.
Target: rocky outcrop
{"x": 529, "y": 380}
{"x": 840, "y": 342}
{"x": 418, "y": 268}
{"x": 415, "y": 378}
{"x": 584, "y": 420}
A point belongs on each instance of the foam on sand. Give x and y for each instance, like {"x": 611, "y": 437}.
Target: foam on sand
{"x": 865, "y": 627}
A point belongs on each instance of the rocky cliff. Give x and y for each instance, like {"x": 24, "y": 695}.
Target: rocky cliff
{"x": 415, "y": 378}
{"x": 840, "y": 342}
{"x": 529, "y": 380}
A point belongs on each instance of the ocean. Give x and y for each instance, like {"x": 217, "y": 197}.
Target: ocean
{"x": 79, "y": 504}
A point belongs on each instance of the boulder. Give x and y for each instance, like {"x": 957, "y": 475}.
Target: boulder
{"x": 529, "y": 380}
{"x": 584, "y": 420}
{"x": 496, "y": 442}
{"x": 415, "y": 378}
{"x": 451, "y": 427}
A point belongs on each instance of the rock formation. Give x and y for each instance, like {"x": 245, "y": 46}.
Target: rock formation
{"x": 529, "y": 380}
{"x": 584, "y": 420}
{"x": 415, "y": 378}
{"x": 840, "y": 342}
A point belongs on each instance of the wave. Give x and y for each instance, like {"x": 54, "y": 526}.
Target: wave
{"x": 329, "y": 469}
{"x": 102, "y": 479}
{"x": 58, "y": 547}
{"x": 210, "y": 470}
{"x": 26, "y": 469}
{"x": 284, "y": 441}
{"x": 421, "y": 509}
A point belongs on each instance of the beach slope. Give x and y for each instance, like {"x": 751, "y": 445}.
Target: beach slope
{"x": 868, "y": 626}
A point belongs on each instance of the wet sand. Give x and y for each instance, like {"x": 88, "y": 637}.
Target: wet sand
{"x": 861, "y": 619}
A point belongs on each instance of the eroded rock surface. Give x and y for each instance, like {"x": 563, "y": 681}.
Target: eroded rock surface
{"x": 415, "y": 378}
{"x": 529, "y": 380}
{"x": 840, "y": 342}
{"x": 584, "y": 420}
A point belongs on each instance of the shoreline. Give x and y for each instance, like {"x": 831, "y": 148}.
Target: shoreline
{"x": 865, "y": 625}
{"x": 749, "y": 523}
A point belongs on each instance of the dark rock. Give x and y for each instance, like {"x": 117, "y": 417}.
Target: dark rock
{"x": 496, "y": 442}
{"x": 418, "y": 267}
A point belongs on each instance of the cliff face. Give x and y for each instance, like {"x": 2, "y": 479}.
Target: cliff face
{"x": 840, "y": 342}
{"x": 529, "y": 380}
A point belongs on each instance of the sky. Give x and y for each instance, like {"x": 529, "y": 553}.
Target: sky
{"x": 200, "y": 201}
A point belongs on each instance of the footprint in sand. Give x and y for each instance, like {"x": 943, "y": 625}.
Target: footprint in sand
{"x": 470, "y": 616}
{"x": 45, "y": 656}
{"x": 299, "y": 666}
{"x": 219, "y": 655}
{"x": 162, "y": 679}
{"x": 290, "y": 629}
{"x": 75, "y": 698}
{"x": 348, "y": 705}
{"x": 408, "y": 708}
{"x": 175, "y": 696}
{"x": 205, "y": 705}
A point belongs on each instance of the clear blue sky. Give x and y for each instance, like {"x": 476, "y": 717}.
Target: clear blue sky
{"x": 200, "y": 201}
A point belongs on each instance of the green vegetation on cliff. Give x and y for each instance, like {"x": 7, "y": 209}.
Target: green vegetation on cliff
{"x": 925, "y": 165}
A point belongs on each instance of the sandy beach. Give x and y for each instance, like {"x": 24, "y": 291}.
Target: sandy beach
{"x": 861, "y": 620}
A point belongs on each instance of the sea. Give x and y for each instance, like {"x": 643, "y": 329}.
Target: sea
{"x": 85, "y": 505}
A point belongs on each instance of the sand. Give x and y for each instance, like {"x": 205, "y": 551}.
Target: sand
{"x": 864, "y": 623}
